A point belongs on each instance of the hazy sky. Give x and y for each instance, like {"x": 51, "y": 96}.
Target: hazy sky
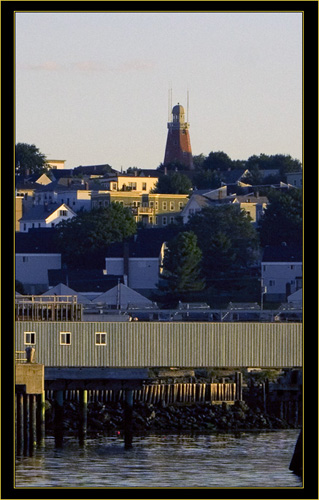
{"x": 92, "y": 88}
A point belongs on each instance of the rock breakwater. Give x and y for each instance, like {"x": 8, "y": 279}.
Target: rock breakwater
{"x": 109, "y": 417}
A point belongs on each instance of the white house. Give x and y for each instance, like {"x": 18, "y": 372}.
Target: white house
{"x": 125, "y": 182}
{"x": 281, "y": 271}
{"x": 35, "y": 254}
{"x": 200, "y": 199}
{"x": 140, "y": 259}
{"x": 254, "y": 206}
{"x": 45, "y": 216}
{"x": 294, "y": 179}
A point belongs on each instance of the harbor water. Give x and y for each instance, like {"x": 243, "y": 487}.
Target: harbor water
{"x": 215, "y": 460}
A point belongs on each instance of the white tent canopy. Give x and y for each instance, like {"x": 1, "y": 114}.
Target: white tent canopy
{"x": 121, "y": 296}
{"x": 296, "y": 297}
{"x": 62, "y": 289}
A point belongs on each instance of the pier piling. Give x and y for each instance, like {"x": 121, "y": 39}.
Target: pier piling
{"x": 128, "y": 415}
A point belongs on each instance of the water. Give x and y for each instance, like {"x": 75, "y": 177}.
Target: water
{"x": 249, "y": 459}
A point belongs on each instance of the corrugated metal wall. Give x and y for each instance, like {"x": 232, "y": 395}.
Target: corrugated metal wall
{"x": 166, "y": 344}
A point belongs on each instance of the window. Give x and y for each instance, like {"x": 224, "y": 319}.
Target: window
{"x": 25, "y": 259}
{"x": 143, "y": 186}
{"x": 100, "y": 338}
{"x": 164, "y": 205}
{"x": 29, "y": 338}
{"x": 172, "y": 205}
{"x": 65, "y": 338}
{"x": 180, "y": 204}
{"x": 272, "y": 282}
{"x": 171, "y": 220}
{"x": 164, "y": 221}
{"x": 63, "y": 213}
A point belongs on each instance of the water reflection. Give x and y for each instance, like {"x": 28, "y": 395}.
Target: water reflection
{"x": 164, "y": 461}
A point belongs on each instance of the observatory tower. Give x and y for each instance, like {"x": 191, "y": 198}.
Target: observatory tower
{"x": 178, "y": 144}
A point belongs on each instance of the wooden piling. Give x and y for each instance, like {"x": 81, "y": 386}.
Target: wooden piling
{"x": 58, "y": 418}
{"x": 20, "y": 422}
{"x": 26, "y": 423}
{"x": 83, "y": 415}
{"x": 40, "y": 417}
{"x": 33, "y": 421}
{"x": 128, "y": 413}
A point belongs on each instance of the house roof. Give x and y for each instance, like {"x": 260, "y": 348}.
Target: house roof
{"x": 233, "y": 176}
{"x": 94, "y": 169}
{"x": 39, "y": 240}
{"x": 250, "y": 198}
{"x": 42, "y": 212}
{"x": 282, "y": 253}
{"x": 61, "y": 185}
{"x": 146, "y": 243}
{"x": 201, "y": 200}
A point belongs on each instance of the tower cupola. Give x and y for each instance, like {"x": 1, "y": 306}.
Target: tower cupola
{"x": 178, "y": 144}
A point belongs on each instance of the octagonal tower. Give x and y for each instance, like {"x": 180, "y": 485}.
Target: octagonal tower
{"x": 178, "y": 144}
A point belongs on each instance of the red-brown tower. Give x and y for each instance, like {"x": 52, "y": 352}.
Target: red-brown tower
{"x": 178, "y": 144}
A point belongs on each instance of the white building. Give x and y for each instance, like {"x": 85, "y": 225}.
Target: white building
{"x": 36, "y": 253}
{"x": 45, "y": 216}
{"x": 281, "y": 272}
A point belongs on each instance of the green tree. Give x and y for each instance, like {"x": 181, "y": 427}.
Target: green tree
{"x": 282, "y": 220}
{"x": 174, "y": 183}
{"x": 198, "y": 161}
{"x": 209, "y": 179}
{"x": 29, "y": 160}
{"x": 84, "y": 238}
{"x": 181, "y": 266}
{"x": 224, "y": 233}
{"x": 283, "y": 163}
{"x": 221, "y": 254}
{"x": 255, "y": 176}
{"x": 217, "y": 161}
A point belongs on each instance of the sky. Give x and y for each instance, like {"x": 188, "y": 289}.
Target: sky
{"x": 93, "y": 87}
